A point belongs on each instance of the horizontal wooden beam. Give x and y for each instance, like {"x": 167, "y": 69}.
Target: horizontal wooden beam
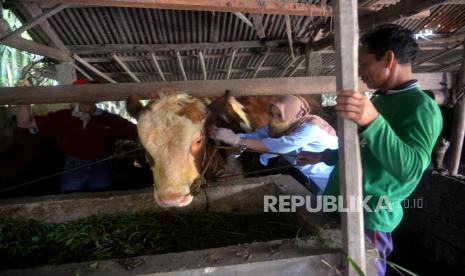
{"x": 277, "y": 47}
{"x": 133, "y": 48}
{"x": 269, "y": 6}
{"x": 201, "y": 88}
{"x": 38, "y": 49}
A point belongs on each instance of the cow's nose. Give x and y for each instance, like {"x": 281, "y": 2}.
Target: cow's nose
{"x": 173, "y": 200}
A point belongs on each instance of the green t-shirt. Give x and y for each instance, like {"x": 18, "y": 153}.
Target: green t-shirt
{"x": 395, "y": 151}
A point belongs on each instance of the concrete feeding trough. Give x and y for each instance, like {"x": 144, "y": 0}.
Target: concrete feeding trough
{"x": 318, "y": 254}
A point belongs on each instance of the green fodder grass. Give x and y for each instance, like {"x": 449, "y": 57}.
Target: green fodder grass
{"x": 27, "y": 243}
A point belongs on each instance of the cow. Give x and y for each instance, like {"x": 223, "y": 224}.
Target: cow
{"x": 173, "y": 129}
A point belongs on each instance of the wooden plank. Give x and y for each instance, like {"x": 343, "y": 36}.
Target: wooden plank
{"x": 260, "y": 64}
{"x": 202, "y": 64}
{"x": 297, "y": 67}
{"x": 181, "y": 66}
{"x": 33, "y": 22}
{"x": 157, "y": 66}
{"x": 126, "y": 68}
{"x": 199, "y": 88}
{"x": 44, "y": 29}
{"x": 138, "y": 48}
{"x": 403, "y": 9}
{"x": 244, "y": 19}
{"x": 134, "y": 48}
{"x": 258, "y": 25}
{"x": 350, "y": 167}
{"x": 288, "y": 66}
{"x": 38, "y": 49}
{"x": 289, "y": 34}
{"x": 435, "y": 56}
{"x": 93, "y": 69}
{"x": 231, "y": 61}
{"x": 269, "y": 6}
{"x": 458, "y": 127}
{"x": 80, "y": 70}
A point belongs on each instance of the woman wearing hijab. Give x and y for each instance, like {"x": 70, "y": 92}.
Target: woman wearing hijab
{"x": 291, "y": 130}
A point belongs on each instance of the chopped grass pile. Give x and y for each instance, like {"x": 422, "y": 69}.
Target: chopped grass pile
{"x": 27, "y": 243}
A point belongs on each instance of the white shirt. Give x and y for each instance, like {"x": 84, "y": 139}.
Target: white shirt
{"x": 307, "y": 137}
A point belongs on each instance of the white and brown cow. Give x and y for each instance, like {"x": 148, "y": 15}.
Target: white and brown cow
{"x": 174, "y": 130}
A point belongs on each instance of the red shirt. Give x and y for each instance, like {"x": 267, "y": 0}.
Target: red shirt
{"x": 95, "y": 141}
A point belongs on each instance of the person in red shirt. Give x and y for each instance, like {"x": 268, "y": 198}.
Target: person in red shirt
{"x": 86, "y": 134}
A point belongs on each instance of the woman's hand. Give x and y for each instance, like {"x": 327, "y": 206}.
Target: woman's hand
{"x": 225, "y": 135}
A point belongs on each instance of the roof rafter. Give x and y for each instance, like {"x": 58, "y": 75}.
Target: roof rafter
{"x": 405, "y": 8}
{"x": 269, "y": 6}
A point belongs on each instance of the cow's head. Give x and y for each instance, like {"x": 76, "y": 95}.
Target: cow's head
{"x": 171, "y": 130}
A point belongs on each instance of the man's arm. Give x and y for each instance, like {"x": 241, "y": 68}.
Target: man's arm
{"x": 404, "y": 156}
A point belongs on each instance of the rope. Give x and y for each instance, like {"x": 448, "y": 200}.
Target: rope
{"x": 134, "y": 150}
{"x": 246, "y": 173}
{"x": 65, "y": 171}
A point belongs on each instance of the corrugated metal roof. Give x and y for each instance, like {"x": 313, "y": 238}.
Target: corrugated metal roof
{"x": 99, "y": 26}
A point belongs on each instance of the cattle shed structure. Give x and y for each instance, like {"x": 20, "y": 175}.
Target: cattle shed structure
{"x": 249, "y": 47}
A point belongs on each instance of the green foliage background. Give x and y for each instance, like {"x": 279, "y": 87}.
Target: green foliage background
{"x": 14, "y": 64}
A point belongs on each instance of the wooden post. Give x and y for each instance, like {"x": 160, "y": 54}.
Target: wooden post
{"x": 66, "y": 73}
{"x": 350, "y": 169}
{"x": 458, "y": 127}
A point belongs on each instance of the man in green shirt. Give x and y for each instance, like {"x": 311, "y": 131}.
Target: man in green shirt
{"x": 398, "y": 129}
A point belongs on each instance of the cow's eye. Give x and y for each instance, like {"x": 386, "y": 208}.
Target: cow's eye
{"x": 199, "y": 141}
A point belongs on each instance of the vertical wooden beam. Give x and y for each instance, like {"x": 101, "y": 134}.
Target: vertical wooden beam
{"x": 260, "y": 64}
{"x": 257, "y": 22}
{"x": 33, "y": 22}
{"x": 93, "y": 69}
{"x": 80, "y": 70}
{"x": 125, "y": 68}
{"x": 458, "y": 126}
{"x": 350, "y": 169}
{"x": 289, "y": 34}
{"x": 202, "y": 63}
{"x": 181, "y": 66}
{"x": 157, "y": 66}
{"x": 231, "y": 61}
